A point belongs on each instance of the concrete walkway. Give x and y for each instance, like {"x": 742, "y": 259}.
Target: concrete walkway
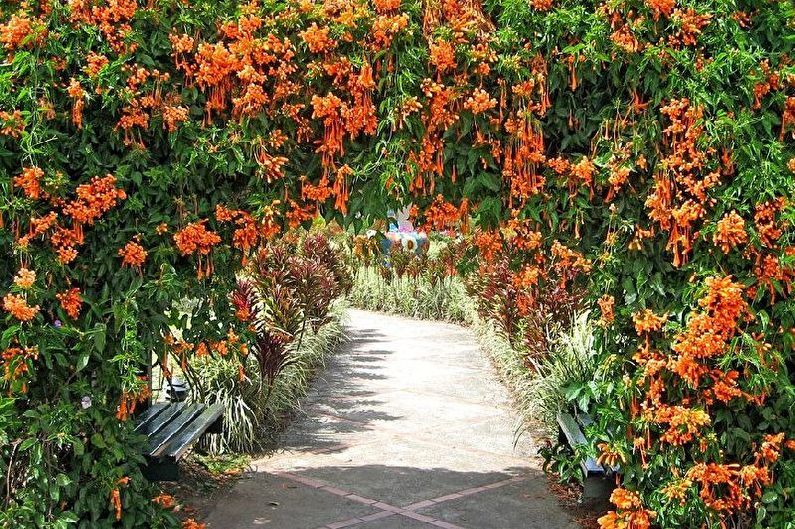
{"x": 408, "y": 428}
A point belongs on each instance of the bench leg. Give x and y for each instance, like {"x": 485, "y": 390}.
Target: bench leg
{"x": 161, "y": 470}
{"x": 597, "y": 489}
{"x": 217, "y": 426}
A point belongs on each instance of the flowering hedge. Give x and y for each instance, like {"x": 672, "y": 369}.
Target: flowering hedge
{"x": 640, "y": 148}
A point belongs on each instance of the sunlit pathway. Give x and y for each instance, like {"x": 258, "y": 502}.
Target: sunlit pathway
{"x": 407, "y": 428}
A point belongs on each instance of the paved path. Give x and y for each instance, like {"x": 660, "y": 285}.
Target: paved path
{"x": 406, "y": 429}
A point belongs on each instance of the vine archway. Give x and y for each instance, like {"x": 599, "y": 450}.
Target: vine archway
{"x": 642, "y": 149}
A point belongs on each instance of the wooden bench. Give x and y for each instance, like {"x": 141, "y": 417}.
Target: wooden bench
{"x": 172, "y": 428}
{"x": 597, "y": 479}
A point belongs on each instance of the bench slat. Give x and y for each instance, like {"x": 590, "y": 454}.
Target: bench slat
{"x": 571, "y": 429}
{"x": 591, "y": 467}
{"x": 149, "y": 415}
{"x": 159, "y": 421}
{"x": 192, "y": 431}
{"x": 184, "y": 416}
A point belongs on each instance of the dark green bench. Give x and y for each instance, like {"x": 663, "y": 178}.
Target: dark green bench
{"x": 172, "y": 428}
{"x": 598, "y": 482}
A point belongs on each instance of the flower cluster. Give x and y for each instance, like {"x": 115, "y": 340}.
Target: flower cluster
{"x": 196, "y": 239}
{"x": 15, "y": 363}
{"x": 18, "y": 307}
{"x": 71, "y": 302}
{"x": 730, "y": 232}
{"x": 133, "y": 255}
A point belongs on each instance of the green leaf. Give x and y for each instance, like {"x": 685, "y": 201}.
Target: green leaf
{"x": 98, "y": 441}
{"x": 82, "y": 360}
{"x": 100, "y": 334}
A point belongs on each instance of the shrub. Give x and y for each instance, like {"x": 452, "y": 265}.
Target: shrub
{"x": 418, "y": 286}
{"x": 253, "y": 411}
{"x": 288, "y": 294}
{"x": 568, "y": 373}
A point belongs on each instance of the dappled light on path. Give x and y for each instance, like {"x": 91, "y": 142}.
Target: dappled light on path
{"x": 406, "y": 428}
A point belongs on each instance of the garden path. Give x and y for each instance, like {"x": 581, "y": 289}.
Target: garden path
{"x": 407, "y": 428}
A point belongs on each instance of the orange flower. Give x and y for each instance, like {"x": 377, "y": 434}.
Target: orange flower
{"x": 767, "y": 227}
{"x": 22, "y": 31}
{"x": 96, "y": 63}
{"x": 173, "y": 116}
{"x": 25, "y": 278}
{"x": 71, "y": 302}
{"x": 527, "y": 278}
{"x": 64, "y": 241}
{"x": 40, "y": 225}
{"x": 724, "y": 302}
{"x": 683, "y": 423}
{"x": 612, "y": 520}
{"x": 297, "y": 214}
{"x": 625, "y": 39}
{"x": 30, "y": 182}
{"x": 115, "y": 501}
{"x": 690, "y": 25}
{"x": 730, "y": 232}
{"x": 583, "y": 171}
{"x": 606, "y": 306}
{"x": 441, "y": 214}
{"x": 442, "y": 56}
{"x": 634, "y": 515}
{"x": 647, "y": 321}
{"x": 771, "y": 447}
{"x": 385, "y": 28}
{"x": 677, "y": 489}
{"x": 317, "y": 39}
{"x": 133, "y": 255}
{"x": 609, "y": 455}
{"x": 196, "y": 238}
{"x": 16, "y": 362}
{"x": 78, "y": 96}
{"x": 13, "y": 124}
{"x": 661, "y": 7}
{"x": 130, "y": 399}
{"x": 569, "y": 261}
{"x": 541, "y": 5}
{"x": 166, "y": 501}
{"x": 720, "y": 488}
{"x": 18, "y": 307}
{"x": 625, "y": 499}
{"x": 94, "y": 199}
{"x": 480, "y": 102}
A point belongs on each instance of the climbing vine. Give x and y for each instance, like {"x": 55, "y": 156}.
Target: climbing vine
{"x": 641, "y": 149}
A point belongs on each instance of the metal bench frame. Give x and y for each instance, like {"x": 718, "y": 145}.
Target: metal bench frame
{"x": 597, "y": 479}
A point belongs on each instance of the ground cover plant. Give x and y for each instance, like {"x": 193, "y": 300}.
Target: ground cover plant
{"x": 640, "y": 150}
{"x": 425, "y": 286}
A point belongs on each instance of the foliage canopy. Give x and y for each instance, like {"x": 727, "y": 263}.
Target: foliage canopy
{"x": 639, "y": 147}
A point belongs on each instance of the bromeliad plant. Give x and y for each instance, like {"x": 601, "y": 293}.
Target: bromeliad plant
{"x": 640, "y": 149}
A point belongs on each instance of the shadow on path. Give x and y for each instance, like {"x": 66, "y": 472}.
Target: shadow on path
{"x": 334, "y": 496}
{"x": 406, "y": 428}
